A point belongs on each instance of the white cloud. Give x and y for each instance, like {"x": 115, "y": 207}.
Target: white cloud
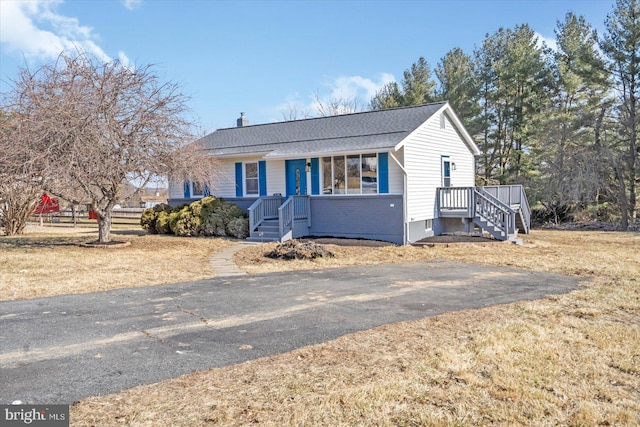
{"x": 357, "y": 87}
{"x": 550, "y": 42}
{"x": 35, "y": 30}
{"x": 124, "y": 60}
{"x": 349, "y": 91}
{"x": 131, "y": 4}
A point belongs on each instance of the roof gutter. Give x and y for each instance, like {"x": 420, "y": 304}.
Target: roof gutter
{"x": 310, "y": 154}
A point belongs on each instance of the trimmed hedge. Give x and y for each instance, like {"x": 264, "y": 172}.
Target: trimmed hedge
{"x": 206, "y": 217}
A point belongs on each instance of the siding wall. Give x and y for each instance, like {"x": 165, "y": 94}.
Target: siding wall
{"x": 417, "y": 231}
{"x": 276, "y": 179}
{"x": 225, "y": 185}
{"x": 243, "y": 202}
{"x": 369, "y": 217}
{"x": 422, "y": 160}
{"x": 176, "y": 190}
{"x": 396, "y": 176}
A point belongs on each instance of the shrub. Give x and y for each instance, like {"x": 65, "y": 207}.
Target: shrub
{"x": 187, "y": 224}
{"x": 173, "y": 219}
{"x": 216, "y": 215}
{"x": 150, "y": 216}
{"x": 293, "y": 249}
{"x": 206, "y": 217}
{"x": 162, "y": 223}
{"x": 238, "y": 227}
{"x": 212, "y": 225}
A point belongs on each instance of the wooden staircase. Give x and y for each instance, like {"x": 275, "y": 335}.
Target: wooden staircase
{"x": 267, "y": 231}
{"x": 276, "y": 219}
{"x": 501, "y": 211}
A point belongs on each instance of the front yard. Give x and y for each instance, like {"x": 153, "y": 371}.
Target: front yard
{"x": 572, "y": 359}
{"x": 50, "y": 262}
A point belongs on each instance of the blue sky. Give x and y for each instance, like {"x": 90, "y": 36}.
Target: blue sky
{"x": 265, "y": 57}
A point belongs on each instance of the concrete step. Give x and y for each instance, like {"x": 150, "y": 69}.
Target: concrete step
{"x": 263, "y": 239}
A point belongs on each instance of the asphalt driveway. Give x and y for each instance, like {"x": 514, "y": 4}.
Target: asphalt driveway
{"x": 62, "y": 349}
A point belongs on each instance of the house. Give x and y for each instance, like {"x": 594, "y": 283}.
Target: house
{"x": 397, "y": 175}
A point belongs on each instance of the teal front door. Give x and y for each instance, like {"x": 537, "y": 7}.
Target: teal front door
{"x": 296, "y": 177}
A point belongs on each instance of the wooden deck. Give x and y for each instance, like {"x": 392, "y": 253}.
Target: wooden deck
{"x": 503, "y": 211}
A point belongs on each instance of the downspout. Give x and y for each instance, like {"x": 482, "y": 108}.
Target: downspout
{"x": 405, "y": 230}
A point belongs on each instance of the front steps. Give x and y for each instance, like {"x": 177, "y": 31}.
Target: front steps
{"x": 268, "y": 231}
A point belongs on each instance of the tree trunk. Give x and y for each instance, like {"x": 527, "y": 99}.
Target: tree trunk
{"x": 624, "y": 204}
{"x": 19, "y": 204}
{"x": 104, "y": 228}
{"x": 74, "y": 214}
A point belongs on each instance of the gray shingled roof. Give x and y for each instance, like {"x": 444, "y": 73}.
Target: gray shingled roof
{"x": 370, "y": 130}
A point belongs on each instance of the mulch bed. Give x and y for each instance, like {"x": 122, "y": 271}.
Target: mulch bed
{"x": 454, "y": 239}
{"x": 108, "y": 245}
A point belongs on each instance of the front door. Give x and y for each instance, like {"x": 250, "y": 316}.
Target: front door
{"x": 446, "y": 171}
{"x": 296, "y": 177}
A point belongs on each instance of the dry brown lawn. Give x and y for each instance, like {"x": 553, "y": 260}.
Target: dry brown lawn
{"x": 566, "y": 360}
{"x": 572, "y": 359}
{"x": 51, "y": 262}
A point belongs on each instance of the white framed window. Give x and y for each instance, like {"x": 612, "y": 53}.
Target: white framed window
{"x": 428, "y": 224}
{"x": 251, "y": 184}
{"x": 352, "y": 174}
{"x": 369, "y": 171}
{"x": 197, "y": 189}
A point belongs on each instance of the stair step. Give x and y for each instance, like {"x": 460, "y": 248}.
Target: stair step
{"x": 266, "y": 234}
{"x": 261, "y": 239}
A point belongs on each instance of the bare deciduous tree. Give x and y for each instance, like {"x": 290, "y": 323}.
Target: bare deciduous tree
{"x": 21, "y": 176}
{"x": 100, "y": 125}
{"x": 337, "y": 105}
{"x": 293, "y": 112}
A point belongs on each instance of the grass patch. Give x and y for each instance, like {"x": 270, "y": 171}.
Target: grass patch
{"x": 47, "y": 264}
{"x": 564, "y": 360}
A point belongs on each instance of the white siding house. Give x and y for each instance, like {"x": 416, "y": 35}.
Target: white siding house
{"x": 398, "y": 175}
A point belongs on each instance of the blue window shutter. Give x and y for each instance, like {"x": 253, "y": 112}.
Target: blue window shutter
{"x": 239, "y": 179}
{"x": 187, "y": 187}
{"x": 207, "y": 192}
{"x": 383, "y": 173}
{"x": 262, "y": 177}
{"x": 315, "y": 176}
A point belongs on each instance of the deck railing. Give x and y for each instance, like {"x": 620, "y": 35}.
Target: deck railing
{"x": 261, "y": 209}
{"x": 294, "y": 208}
{"x": 455, "y": 201}
{"x": 285, "y": 217}
{"x": 514, "y": 196}
{"x": 495, "y": 205}
{"x": 492, "y": 209}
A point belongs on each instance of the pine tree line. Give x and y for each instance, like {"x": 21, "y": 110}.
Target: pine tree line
{"x": 560, "y": 120}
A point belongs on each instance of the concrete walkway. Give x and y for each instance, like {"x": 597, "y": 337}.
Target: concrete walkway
{"x": 222, "y": 261}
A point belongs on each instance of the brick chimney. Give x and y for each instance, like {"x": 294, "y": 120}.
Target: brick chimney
{"x": 242, "y": 121}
